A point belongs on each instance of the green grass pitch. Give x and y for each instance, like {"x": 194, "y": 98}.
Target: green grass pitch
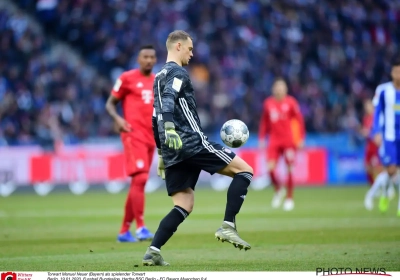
{"x": 328, "y": 228}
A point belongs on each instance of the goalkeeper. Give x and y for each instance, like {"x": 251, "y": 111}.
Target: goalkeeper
{"x": 184, "y": 151}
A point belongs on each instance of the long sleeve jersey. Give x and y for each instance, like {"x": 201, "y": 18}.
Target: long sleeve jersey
{"x": 174, "y": 101}
{"x": 278, "y": 119}
{"x": 387, "y": 112}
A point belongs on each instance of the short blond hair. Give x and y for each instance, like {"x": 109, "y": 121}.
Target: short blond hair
{"x": 175, "y": 36}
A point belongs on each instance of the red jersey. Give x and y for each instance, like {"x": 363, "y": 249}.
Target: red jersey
{"x": 367, "y": 124}
{"x": 277, "y": 121}
{"x": 135, "y": 90}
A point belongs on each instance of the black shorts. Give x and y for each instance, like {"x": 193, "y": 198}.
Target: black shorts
{"x": 185, "y": 174}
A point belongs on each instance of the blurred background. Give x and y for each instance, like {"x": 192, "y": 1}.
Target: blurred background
{"x": 60, "y": 58}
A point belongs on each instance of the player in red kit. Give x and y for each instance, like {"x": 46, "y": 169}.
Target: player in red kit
{"x": 280, "y": 112}
{"x": 372, "y": 162}
{"x": 134, "y": 89}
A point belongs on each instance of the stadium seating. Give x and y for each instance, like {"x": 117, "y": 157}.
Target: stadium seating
{"x": 333, "y": 53}
{"x": 44, "y": 95}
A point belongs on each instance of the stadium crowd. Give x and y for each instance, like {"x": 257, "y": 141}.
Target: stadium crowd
{"x": 333, "y": 53}
{"x": 44, "y": 96}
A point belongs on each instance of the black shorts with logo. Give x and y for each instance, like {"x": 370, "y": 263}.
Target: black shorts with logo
{"x": 185, "y": 174}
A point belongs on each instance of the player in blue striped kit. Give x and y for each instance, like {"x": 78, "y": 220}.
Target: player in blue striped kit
{"x": 386, "y": 129}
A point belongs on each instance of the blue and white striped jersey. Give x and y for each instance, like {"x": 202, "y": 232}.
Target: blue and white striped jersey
{"x": 387, "y": 112}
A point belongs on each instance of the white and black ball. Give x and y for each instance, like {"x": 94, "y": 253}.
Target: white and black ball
{"x": 234, "y": 133}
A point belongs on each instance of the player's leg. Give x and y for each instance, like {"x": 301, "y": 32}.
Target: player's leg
{"x": 392, "y": 187}
{"x": 379, "y": 182}
{"x": 215, "y": 158}
{"x": 289, "y": 155}
{"x": 146, "y": 154}
{"x": 390, "y": 161}
{"x": 273, "y": 154}
{"x": 242, "y": 174}
{"x": 125, "y": 234}
{"x": 138, "y": 201}
{"x": 370, "y": 174}
{"x": 388, "y": 184}
{"x": 373, "y": 162}
{"x": 377, "y": 168}
{"x": 137, "y": 167}
{"x": 180, "y": 181}
{"x": 368, "y": 167}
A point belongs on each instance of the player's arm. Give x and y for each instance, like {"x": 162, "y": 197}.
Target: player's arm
{"x": 298, "y": 116}
{"x": 160, "y": 164}
{"x": 174, "y": 82}
{"x": 155, "y": 130}
{"x": 264, "y": 127}
{"x": 118, "y": 92}
{"x": 379, "y": 103}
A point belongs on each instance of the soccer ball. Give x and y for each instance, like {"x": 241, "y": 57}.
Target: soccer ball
{"x": 234, "y": 133}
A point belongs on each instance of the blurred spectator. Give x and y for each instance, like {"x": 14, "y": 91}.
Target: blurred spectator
{"x": 44, "y": 98}
{"x": 333, "y": 54}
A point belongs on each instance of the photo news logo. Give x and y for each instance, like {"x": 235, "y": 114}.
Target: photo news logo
{"x": 8, "y": 276}
{"x": 331, "y": 271}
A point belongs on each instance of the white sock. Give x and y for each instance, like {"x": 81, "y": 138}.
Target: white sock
{"x": 230, "y": 223}
{"x": 396, "y": 178}
{"x": 380, "y": 181}
{"x": 155, "y": 249}
{"x": 390, "y": 184}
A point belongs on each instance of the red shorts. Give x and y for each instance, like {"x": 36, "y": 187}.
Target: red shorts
{"x": 138, "y": 155}
{"x": 275, "y": 151}
{"x": 372, "y": 154}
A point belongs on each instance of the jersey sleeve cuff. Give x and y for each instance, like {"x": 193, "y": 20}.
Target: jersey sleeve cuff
{"x": 116, "y": 94}
{"x": 168, "y": 117}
